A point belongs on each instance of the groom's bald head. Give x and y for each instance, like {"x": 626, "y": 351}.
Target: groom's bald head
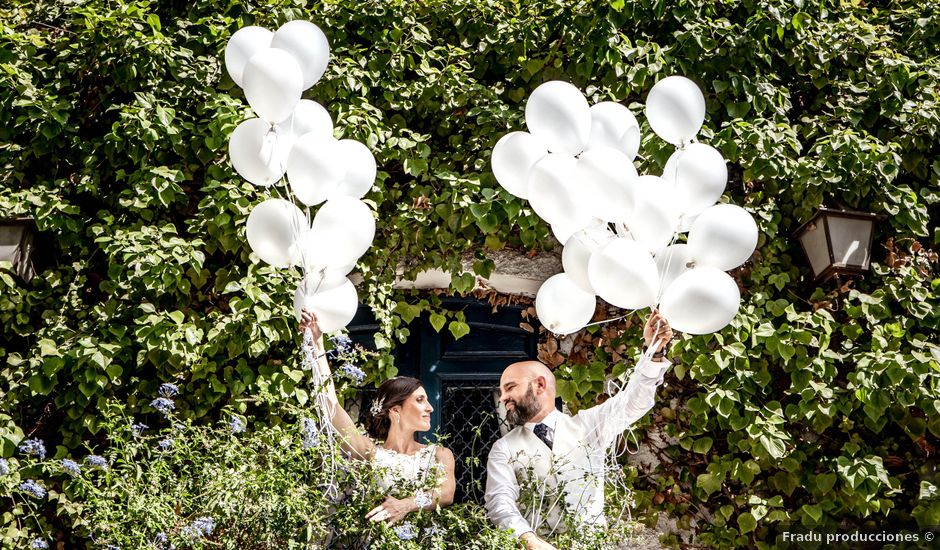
{"x": 527, "y": 389}
{"x": 530, "y": 370}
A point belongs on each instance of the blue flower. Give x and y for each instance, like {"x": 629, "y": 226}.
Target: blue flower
{"x": 97, "y": 462}
{"x": 341, "y": 343}
{"x": 33, "y": 447}
{"x": 4, "y": 467}
{"x": 139, "y": 428}
{"x": 33, "y": 488}
{"x": 237, "y": 425}
{"x": 422, "y": 499}
{"x": 163, "y": 405}
{"x": 39, "y": 543}
{"x": 405, "y": 531}
{"x": 160, "y": 539}
{"x": 311, "y": 433}
{"x": 201, "y": 527}
{"x": 71, "y": 466}
{"x": 169, "y": 390}
{"x": 353, "y": 372}
{"x": 433, "y": 530}
{"x": 165, "y": 444}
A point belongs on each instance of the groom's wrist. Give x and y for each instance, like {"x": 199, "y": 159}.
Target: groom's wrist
{"x": 659, "y": 354}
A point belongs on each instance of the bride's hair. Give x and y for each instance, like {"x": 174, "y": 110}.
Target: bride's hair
{"x": 393, "y": 391}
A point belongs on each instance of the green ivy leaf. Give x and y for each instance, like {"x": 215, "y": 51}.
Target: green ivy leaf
{"x": 746, "y": 523}
{"x": 702, "y": 445}
{"x": 459, "y": 329}
{"x": 437, "y": 321}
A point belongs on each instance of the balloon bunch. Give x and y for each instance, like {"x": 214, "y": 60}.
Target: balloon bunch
{"x": 294, "y": 136}
{"x": 619, "y": 228}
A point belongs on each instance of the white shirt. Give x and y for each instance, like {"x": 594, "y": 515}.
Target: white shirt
{"x": 608, "y": 419}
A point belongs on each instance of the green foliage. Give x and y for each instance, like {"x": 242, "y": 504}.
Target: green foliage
{"x": 276, "y": 486}
{"x": 815, "y": 407}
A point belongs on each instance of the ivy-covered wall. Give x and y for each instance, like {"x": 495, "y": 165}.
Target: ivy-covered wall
{"x": 818, "y": 405}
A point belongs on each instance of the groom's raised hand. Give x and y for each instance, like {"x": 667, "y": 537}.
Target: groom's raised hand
{"x": 657, "y": 329}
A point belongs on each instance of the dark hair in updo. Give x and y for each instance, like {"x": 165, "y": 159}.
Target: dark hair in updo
{"x": 394, "y": 391}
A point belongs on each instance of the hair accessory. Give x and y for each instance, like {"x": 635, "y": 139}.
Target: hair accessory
{"x": 377, "y": 406}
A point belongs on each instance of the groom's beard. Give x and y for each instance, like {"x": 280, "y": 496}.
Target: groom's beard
{"x": 523, "y": 410}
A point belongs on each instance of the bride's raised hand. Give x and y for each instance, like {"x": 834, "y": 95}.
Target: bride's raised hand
{"x": 391, "y": 511}
{"x": 308, "y": 320}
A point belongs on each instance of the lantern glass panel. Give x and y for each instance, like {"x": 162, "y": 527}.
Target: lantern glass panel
{"x": 10, "y": 238}
{"x": 851, "y": 239}
{"x": 816, "y": 247}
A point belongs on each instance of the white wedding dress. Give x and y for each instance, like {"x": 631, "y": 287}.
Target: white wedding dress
{"x": 403, "y": 472}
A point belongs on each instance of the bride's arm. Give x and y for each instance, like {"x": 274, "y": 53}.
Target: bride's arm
{"x": 445, "y": 491}
{"x": 353, "y": 442}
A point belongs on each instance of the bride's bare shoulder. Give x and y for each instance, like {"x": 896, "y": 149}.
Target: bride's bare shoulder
{"x": 443, "y": 454}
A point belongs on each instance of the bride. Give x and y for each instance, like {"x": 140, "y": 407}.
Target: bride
{"x": 400, "y": 409}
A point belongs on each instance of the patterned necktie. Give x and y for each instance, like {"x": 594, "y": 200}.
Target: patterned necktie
{"x": 544, "y": 433}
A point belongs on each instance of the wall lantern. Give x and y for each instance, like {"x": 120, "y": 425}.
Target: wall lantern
{"x": 17, "y": 245}
{"x": 837, "y": 242}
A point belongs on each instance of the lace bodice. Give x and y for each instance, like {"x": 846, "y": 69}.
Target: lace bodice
{"x": 403, "y": 471}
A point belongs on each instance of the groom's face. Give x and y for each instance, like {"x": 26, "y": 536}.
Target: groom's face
{"x": 520, "y": 409}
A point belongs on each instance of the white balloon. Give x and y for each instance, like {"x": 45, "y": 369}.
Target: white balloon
{"x": 272, "y": 84}
{"x": 558, "y": 114}
{"x": 310, "y": 252}
{"x": 245, "y": 43}
{"x": 654, "y": 220}
{"x": 513, "y": 157}
{"x": 346, "y": 228}
{"x": 577, "y": 253}
{"x": 309, "y": 46}
{"x": 272, "y": 228}
{"x": 675, "y": 109}
{"x": 308, "y": 116}
{"x": 701, "y": 301}
{"x": 333, "y": 300}
{"x": 686, "y": 222}
{"x": 564, "y": 231}
{"x": 699, "y": 174}
{"x": 255, "y": 151}
{"x": 360, "y": 169}
{"x": 623, "y": 273}
{"x": 724, "y": 237}
{"x": 562, "y": 306}
{"x": 613, "y": 125}
{"x": 314, "y": 168}
{"x": 608, "y": 177}
{"x": 554, "y": 195}
{"x": 671, "y": 262}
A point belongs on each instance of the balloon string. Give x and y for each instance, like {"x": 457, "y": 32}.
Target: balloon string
{"x": 269, "y": 148}
{"x": 675, "y": 234}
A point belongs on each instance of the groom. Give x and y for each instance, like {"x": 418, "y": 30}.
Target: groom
{"x": 552, "y": 464}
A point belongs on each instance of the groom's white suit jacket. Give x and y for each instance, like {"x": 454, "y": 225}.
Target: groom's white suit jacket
{"x": 569, "y": 476}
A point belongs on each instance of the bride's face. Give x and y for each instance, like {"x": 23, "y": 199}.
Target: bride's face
{"x": 415, "y": 412}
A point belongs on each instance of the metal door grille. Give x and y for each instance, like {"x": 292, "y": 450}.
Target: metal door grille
{"x": 471, "y": 423}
